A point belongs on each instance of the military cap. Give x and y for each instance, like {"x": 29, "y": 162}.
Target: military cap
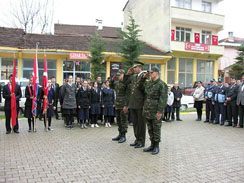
{"x": 220, "y": 80}
{"x": 154, "y": 69}
{"x": 121, "y": 71}
{"x": 138, "y": 63}
{"x": 212, "y": 80}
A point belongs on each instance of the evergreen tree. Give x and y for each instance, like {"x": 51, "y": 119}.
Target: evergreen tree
{"x": 130, "y": 46}
{"x": 237, "y": 69}
{"x": 97, "y": 56}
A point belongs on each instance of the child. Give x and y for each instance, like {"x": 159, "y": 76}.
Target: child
{"x": 169, "y": 108}
{"x": 108, "y": 104}
{"x": 95, "y": 104}
{"x": 83, "y": 102}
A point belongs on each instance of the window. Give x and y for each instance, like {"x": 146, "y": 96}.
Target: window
{"x": 171, "y": 71}
{"x": 147, "y": 67}
{"x": 6, "y": 65}
{"x": 206, "y": 6}
{"x": 183, "y": 34}
{"x": 28, "y": 68}
{"x": 206, "y": 37}
{"x": 204, "y": 70}
{"x": 80, "y": 69}
{"x": 183, "y": 4}
{"x": 185, "y": 72}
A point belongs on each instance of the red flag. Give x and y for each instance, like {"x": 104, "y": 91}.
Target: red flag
{"x": 215, "y": 40}
{"x": 197, "y": 38}
{"x": 13, "y": 98}
{"x": 35, "y": 86}
{"x": 172, "y": 34}
{"x": 44, "y": 83}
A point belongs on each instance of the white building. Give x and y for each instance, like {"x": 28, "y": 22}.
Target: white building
{"x": 188, "y": 29}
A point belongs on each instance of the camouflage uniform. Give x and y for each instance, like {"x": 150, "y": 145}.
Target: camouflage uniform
{"x": 156, "y": 100}
{"x": 121, "y": 90}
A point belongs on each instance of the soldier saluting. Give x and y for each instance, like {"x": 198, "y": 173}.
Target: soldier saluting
{"x": 121, "y": 104}
{"x": 133, "y": 77}
{"x": 156, "y": 92}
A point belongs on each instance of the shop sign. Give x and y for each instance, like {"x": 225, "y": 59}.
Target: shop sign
{"x": 79, "y": 56}
{"x": 197, "y": 47}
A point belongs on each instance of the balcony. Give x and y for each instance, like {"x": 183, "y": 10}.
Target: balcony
{"x": 197, "y": 18}
{"x": 179, "y": 47}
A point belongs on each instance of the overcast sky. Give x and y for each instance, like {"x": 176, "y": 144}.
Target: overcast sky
{"x": 85, "y": 12}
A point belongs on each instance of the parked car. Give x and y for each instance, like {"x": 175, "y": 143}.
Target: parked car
{"x": 190, "y": 90}
{"x": 186, "y": 102}
{"x": 23, "y": 83}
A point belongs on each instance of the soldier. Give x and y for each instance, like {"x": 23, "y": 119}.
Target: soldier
{"x": 208, "y": 94}
{"x": 136, "y": 101}
{"x": 120, "y": 106}
{"x": 156, "y": 92}
{"x": 219, "y": 100}
{"x": 232, "y": 108}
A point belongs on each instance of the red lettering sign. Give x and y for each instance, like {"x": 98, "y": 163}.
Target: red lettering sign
{"x": 197, "y": 47}
{"x": 79, "y": 56}
{"x": 197, "y": 38}
{"x": 215, "y": 40}
{"x": 172, "y": 34}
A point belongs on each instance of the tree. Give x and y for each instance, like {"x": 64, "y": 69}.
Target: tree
{"x": 130, "y": 46}
{"x": 32, "y": 15}
{"x": 97, "y": 57}
{"x": 237, "y": 70}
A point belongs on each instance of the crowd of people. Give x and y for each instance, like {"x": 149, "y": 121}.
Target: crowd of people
{"x": 136, "y": 97}
{"x": 224, "y": 102}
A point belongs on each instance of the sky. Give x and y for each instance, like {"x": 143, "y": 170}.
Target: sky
{"x": 85, "y": 12}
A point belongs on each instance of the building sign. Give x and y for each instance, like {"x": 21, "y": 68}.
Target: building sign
{"x": 172, "y": 34}
{"x": 215, "y": 40}
{"x": 197, "y": 38}
{"x": 114, "y": 67}
{"x": 197, "y": 47}
{"x": 79, "y": 56}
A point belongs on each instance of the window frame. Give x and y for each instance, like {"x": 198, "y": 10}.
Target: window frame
{"x": 183, "y": 4}
{"x": 204, "y": 37}
{"x": 185, "y": 31}
{"x": 186, "y": 72}
{"x": 204, "y": 6}
{"x": 205, "y": 74}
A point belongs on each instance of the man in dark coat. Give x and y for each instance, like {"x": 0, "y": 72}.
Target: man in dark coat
{"x": 55, "y": 87}
{"x": 7, "y": 106}
{"x": 177, "y": 97}
{"x": 240, "y": 102}
{"x": 133, "y": 77}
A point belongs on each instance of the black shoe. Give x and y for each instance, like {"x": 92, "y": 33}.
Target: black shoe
{"x": 8, "y": 132}
{"x": 206, "y": 121}
{"x": 122, "y": 139}
{"x": 148, "y": 149}
{"x": 116, "y": 138}
{"x": 215, "y": 122}
{"x": 228, "y": 124}
{"x": 233, "y": 125}
{"x": 198, "y": 119}
{"x": 155, "y": 149}
{"x": 221, "y": 124}
{"x": 58, "y": 118}
{"x": 211, "y": 121}
{"x": 179, "y": 120}
{"x": 133, "y": 144}
{"x": 29, "y": 130}
{"x": 139, "y": 146}
{"x": 16, "y": 131}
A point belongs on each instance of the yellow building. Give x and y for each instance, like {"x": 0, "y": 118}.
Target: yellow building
{"x": 66, "y": 54}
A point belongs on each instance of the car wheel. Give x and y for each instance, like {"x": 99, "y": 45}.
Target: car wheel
{"x": 183, "y": 107}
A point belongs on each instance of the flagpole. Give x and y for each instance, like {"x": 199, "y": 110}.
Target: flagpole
{"x": 34, "y": 128}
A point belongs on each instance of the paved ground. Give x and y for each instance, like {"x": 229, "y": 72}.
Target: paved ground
{"x": 190, "y": 152}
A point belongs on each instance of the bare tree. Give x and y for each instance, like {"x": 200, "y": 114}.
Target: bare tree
{"x": 32, "y": 15}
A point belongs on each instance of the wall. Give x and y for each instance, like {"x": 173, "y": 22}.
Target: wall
{"x": 153, "y": 17}
{"x": 228, "y": 59}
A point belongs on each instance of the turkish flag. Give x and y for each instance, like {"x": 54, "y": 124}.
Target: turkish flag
{"x": 172, "y": 34}
{"x": 44, "y": 84}
{"x": 197, "y": 38}
{"x": 13, "y": 98}
{"x": 215, "y": 40}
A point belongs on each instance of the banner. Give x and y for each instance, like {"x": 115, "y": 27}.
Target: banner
{"x": 197, "y": 38}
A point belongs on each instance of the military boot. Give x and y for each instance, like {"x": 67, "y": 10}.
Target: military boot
{"x": 122, "y": 139}
{"x": 150, "y": 148}
{"x": 116, "y": 138}
{"x": 155, "y": 149}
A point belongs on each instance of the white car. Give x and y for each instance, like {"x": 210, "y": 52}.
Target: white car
{"x": 186, "y": 102}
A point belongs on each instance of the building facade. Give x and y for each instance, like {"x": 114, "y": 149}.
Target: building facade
{"x": 193, "y": 35}
{"x": 67, "y": 54}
